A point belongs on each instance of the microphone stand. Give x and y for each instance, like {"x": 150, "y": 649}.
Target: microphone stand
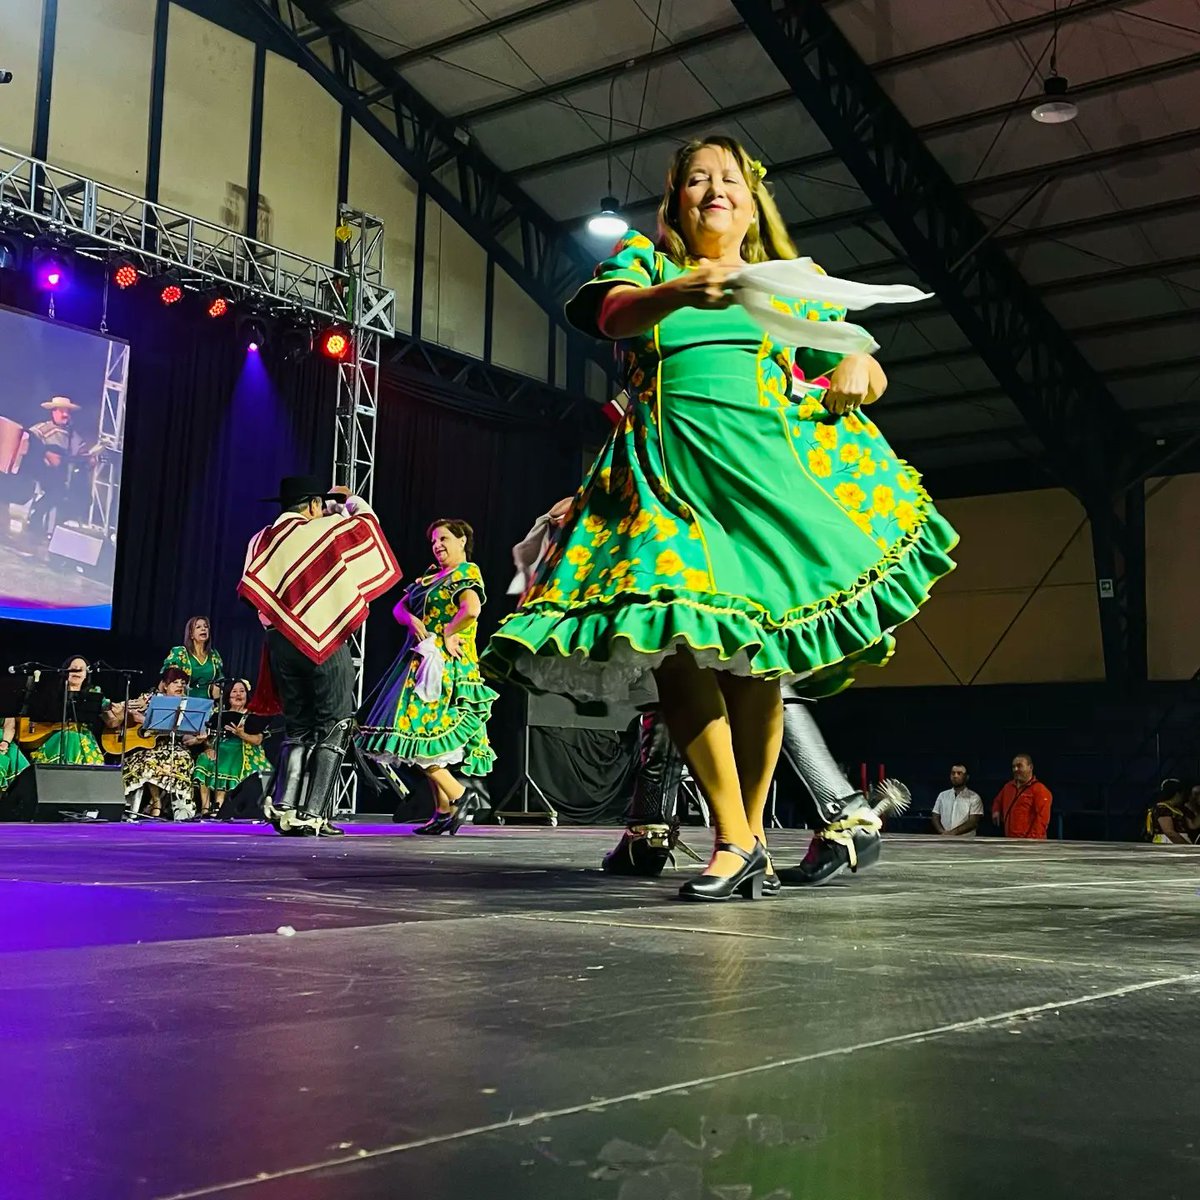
{"x": 105, "y": 669}
{"x": 219, "y": 733}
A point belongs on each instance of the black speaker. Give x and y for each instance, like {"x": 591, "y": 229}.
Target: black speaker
{"x": 245, "y": 801}
{"x": 58, "y": 793}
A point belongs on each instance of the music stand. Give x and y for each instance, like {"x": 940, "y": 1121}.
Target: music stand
{"x": 176, "y": 715}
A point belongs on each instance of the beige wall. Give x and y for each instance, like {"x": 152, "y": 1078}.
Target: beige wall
{"x": 1173, "y": 576}
{"x": 209, "y": 85}
{"x": 452, "y": 309}
{"x": 520, "y": 329}
{"x": 20, "y": 38}
{"x": 1025, "y": 561}
{"x": 300, "y": 141}
{"x": 380, "y": 187}
{"x": 100, "y": 101}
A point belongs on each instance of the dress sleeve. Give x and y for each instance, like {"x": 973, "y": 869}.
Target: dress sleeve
{"x": 467, "y": 576}
{"x": 633, "y": 260}
{"x": 218, "y": 665}
{"x": 812, "y": 365}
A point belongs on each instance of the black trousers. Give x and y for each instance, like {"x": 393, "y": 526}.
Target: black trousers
{"x": 315, "y": 697}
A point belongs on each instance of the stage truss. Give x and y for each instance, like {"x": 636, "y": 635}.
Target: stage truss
{"x": 38, "y": 199}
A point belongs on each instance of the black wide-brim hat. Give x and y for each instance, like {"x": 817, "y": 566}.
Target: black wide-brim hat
{"x": 293, "y": 489}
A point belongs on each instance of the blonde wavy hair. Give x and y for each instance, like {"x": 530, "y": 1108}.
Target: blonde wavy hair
{"x": 767, "y": 238}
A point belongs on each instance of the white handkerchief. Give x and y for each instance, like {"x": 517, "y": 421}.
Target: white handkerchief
{"x": 798, "y": 279}
{"x": 430, "y": 670}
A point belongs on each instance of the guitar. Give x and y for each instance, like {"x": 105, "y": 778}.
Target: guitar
{"x": 35, "y": 733}
{"x": 135, "y": 739}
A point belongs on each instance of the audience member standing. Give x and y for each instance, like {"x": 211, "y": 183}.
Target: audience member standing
{"x": 958, "y": 810}
{"x": 1022, "y": 807}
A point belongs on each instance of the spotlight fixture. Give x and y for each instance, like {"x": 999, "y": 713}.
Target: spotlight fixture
{"x": 217, "y": 303}
{"x": 1055, "y": 109}
{"x": 608, "y": 222}
{"x": 170, "y": 291}
{"x": 336, "y": 342}
{"x": 49, "y": 267}
{"x": 124, "y": 273}
{"x": 252, "y": 331}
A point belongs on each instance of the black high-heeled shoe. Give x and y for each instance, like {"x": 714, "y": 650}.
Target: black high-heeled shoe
{"x": 440, "y": 822}
{"x": 772, "y": 884}
{"x": 747, "y": 881}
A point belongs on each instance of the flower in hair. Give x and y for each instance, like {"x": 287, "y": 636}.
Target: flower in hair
{"x": 760, "y": 172}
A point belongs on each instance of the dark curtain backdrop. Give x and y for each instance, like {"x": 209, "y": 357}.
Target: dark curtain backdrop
{"x": 209, "y": 430}
{"x": 446, "y": 456}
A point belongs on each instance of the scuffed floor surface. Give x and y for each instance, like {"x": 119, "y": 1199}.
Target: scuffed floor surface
{"x": 490, "y": 1017}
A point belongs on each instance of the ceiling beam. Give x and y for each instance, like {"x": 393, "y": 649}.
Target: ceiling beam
{"x": 639, "y": 62}
{"x": 494, "y": 28}
{"x": 701, "y": 123}
{"x": 1125, "y": 325}
{"x": 1093, "y": 160}
{"x": 1184, "y": 64}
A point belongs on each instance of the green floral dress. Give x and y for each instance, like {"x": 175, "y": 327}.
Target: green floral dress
{"x": 234, "y": 761}
{"x": 453, "y": 728}
{"x": 12, "y": 763}
{"x": 200, "y": 674}
{"x": 74, "y": 746}
{"x": 729, "y": 513}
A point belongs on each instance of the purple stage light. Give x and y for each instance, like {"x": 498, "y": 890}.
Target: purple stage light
{"x": 253, "y": 347}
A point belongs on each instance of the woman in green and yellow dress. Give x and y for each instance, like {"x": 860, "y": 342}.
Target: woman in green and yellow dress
{"x": 741, "y": 528}
{"x": 197, "y": 659}
{"x": 76, "y": 744}
{"x": 451, "y": 729}
{"x": 221, "y": 768}
{"x": 12, "y": 761}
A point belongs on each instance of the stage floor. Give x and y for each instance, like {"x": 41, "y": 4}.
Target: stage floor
{"x": 491, "y": 1017}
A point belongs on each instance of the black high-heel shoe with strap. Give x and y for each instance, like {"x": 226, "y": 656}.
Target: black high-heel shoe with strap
{"x": 747, "y": 881}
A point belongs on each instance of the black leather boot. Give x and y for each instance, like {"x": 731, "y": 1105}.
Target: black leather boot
{"x": 288, "y": 783}
{"x": 321, "y": 778}
{"x": 847, "y": 825}
{"x": 652, "y": 819}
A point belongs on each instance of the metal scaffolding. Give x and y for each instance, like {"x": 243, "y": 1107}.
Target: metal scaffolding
{"x": 92, "y": 219}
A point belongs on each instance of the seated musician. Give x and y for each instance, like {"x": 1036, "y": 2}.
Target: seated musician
{"x": 164, "y": 767}
{"x": 12, "y": 761}
{"x": 237, "y": 756}
{"x": 74, "y": 743}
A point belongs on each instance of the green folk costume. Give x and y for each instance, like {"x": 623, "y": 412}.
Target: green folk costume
{"x": 453, "y": 728}
{"x": 728, "y": 513}
{"x": 234, "y": 761}
{"x": 75, "y": 746}
{"x": 12, "y": 763}
{"x": 200, "y": 674}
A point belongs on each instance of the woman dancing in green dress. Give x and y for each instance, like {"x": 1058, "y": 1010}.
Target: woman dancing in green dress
{"x": 435, "y": 732}
{"x": 741, "y": 528}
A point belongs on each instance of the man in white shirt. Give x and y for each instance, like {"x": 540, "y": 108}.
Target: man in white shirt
{"x": 958, "y": 810}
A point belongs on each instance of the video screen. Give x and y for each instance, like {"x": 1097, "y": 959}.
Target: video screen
{"x": 62, "y": 430}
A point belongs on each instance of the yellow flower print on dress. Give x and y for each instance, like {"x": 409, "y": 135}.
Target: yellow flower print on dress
{"x": 604, "y": 478}
{"x": 623, "y": 524}
{"x": 578, "y": 555}
{"x": 668, "y": 563}
{"x": 826, "y": 436}
{"x": 696, "y": 581}
{"x": 593, "y": 590}
{"x": 872, "y": 429}
{"x": 850, "y": 453}
{"x": 593, "y": 524}
{"x": 906, "y": 516}
{"x": 853, "y": 423}
{"x": 866, "y": 465}
{"x": 664, "y": 528}
{"x": 850, "y": 495}
{"x": 904, "y": 481}
{"x": 820, "y": 464}
{"x": 601, "y": 537}
{"x": 862, "y": 521}
{"x": 883, "y": 500}
{"x": 641, "y": 523}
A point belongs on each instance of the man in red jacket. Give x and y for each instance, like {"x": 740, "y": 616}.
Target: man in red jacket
{"x": 1023, "y": 804}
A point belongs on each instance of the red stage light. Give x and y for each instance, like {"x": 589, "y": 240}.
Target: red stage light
{"x": 335, "y": 343}
{"x": 172, "y": 293}
{"x": 126, "y": 275}
{"x": 218, "y": 306}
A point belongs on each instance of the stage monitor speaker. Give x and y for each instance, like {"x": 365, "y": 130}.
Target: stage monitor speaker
{"x": 59, "y": 793}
